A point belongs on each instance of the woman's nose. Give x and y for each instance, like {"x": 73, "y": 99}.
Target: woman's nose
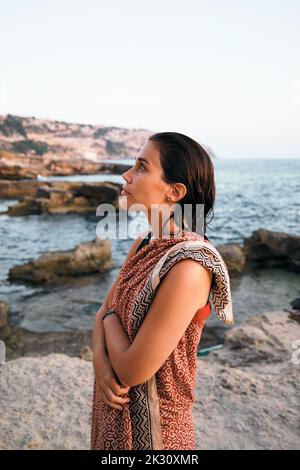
{"x": 125, "y": 175}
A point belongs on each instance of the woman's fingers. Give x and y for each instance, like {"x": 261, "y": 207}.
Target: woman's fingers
{"x": 112, "y": 397}
{"x": 119, "y": 389}
{"x": 107, "y": 402}
{"x": 113, "y": 400}
{"x": 111, "y": 392}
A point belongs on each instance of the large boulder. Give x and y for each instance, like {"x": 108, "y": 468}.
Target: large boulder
{"x": 233, "y": 256}
{"x": 296, "y": 303}
{"x": 52, "y": 267}
{"x": 269, "y": 249}
{"x": 28, "y": 205}
{"x": 265, "y": 338}
{"x": 247, "y": 394}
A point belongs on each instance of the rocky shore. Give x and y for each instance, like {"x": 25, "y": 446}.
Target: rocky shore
{"x": 14, "y": 167}
{"x": 263, "y": 249}
{"x": 247, "y": 393}
{"x": 74, "y": 287}
{"x": 59, "y": 197}
{"x": 30, "y": 147}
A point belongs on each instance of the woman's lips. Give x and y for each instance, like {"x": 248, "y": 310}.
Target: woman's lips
{"x": 125, "y": 193}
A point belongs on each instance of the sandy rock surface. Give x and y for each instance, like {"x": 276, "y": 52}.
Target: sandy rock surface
{"x": 247, "y": 394}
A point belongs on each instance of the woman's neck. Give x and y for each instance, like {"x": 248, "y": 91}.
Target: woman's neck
{"x": 163, "y": 227}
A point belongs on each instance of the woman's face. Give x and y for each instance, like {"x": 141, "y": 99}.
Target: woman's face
{"x": 144, "y": 181}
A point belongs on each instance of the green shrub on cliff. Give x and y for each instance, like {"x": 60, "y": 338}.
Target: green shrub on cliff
{"x": 101, "y": 131}
{"x": 114, "y": 148}
{"x": 26, "y": 146}
{"x": 12, "y": 125}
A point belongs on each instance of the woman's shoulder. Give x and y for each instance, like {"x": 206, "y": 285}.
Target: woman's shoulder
{"x": 190, "y": 269}
{"x": 190, "y": 277}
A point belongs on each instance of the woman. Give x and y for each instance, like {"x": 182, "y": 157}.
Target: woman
{"x": 146, "y": 333}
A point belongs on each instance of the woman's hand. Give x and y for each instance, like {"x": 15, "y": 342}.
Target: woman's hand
{"x": 110, "y": 391}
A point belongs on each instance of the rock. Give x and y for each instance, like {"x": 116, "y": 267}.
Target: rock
{"x": 23, "y": 343}
{"x": 296, "y": 303}
{"x": 268, "y": 249}
{"x": 61, "y": 167}
{"x": 81, "y": 166}
{"x": 241, "y": 402}
{"x": 67, "y": 197}
{"x": 18, "y": 170}
{"x": 247, "y": 409}
{"x": 3, "y": 314}
{"x": 294, "y": 315}
{"x": 247, "y": 392}
{"x": 116, "y": 168}
{"x": 86, "y": 353}
{"x": 45, "y": 403}
{"x": 233, "y": 256}
{"x": 28, "y": 206}
{"x": 52, "y": 267}
{"x": 265, "y": 338}
{"x": 18, "y": 189}
{"x": 98, "y": 193}
{"x": 13, "y": 172}
{"x": 14, "y": 167}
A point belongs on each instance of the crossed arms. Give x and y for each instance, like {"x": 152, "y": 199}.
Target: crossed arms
{"x": 180, "y": 294}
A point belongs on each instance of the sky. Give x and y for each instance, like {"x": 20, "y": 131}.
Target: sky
{"x": 224, "y": 72}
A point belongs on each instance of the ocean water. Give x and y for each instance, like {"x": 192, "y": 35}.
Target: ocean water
{"x": 251, "y": 194}
{"x": 254, "y": 194}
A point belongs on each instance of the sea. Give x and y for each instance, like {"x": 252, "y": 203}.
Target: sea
{"x": 250, "y": 194}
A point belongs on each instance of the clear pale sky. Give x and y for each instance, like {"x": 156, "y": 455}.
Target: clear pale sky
{"x": 226, "y": 73}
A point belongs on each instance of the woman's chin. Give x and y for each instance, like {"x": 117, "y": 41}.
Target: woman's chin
{"x": 127, "y": 202}
{"x": 123, "y": 202}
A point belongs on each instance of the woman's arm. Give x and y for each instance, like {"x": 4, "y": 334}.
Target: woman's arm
{"x": 109, "y": 385}
{"x": 98, "y": 337}
{"x": 181, "y": 293}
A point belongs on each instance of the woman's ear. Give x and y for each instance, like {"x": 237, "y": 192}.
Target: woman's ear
{"x": 179, "y": 191}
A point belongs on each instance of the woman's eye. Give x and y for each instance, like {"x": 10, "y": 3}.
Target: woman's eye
{"x": 140, "y": 165}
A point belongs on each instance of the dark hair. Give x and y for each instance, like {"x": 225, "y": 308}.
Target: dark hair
{"x": 184, "y": 161}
